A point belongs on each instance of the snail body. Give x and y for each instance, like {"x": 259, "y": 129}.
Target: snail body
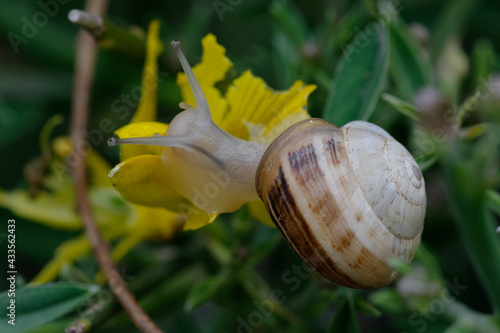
{"x": 347, "y": 200}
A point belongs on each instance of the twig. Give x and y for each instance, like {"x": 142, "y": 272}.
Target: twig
{"x": 84, "y": 77}
{"x": 93, "y": 23}
{"x": 110, "y": 35}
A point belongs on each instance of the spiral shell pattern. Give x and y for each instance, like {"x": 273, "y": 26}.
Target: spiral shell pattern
{"x": 346, "y": 199}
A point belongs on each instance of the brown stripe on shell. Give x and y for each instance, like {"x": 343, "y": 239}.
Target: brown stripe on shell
{"x": 308, "y": 174}
{"x": 327, "y": 241}
{"x": 333, "y": 151}
{"x": 330, "y": 218}
{"x": 343, "y": 238}
{"x": 305, "y": 162}
{"x": 293, "y": 226}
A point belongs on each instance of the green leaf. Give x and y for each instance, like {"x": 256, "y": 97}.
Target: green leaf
{"x": 13, "y": 124}
{"x": 285, "y": 59}
{"x": 40, "y": 304}
{"x": 290, "y": 32}
{"x": 493, "y": 201}
{"x": 407, "y": 67}
{"x": 465, "y": 173}
{"x": 426, "y": 161}
{"x": 402, "y": 106}
{"x": 345, "y": 317}
{"x": 467, "y": 107}
{"x": 359, "y": 79}
{"x": 400, "y": 266}
{"x": 291, "y": 21}
{"x": 483, "y": 61}
{"x": 204, "y": 291}
{"x": 427, "y": 259}
{"x": 449, "y": 23}
{"x": 55, "y": 326}
{"x": 388, "y": 300}
{"x": 366, "y": 308}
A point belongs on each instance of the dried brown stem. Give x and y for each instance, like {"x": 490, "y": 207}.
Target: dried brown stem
{"x": 84, "y": 76}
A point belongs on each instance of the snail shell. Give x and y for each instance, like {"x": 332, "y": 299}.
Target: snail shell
{"x": 346, "y": 199}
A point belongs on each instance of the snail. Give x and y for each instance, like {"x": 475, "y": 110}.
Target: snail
{"x": 347, "y": 199}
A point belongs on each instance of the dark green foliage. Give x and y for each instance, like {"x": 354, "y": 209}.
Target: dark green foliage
{"x": 369, "y": 60}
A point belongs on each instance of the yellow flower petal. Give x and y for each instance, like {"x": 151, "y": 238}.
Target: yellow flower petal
{"x": 67, "y": 253}
{"x": 98, "y": 168}
{"x": 139, "y": 130}
{"x": 258, "y": 210}
{"x": 140, "y": 180}
{"x": 198, "y": 218}
{"x": 146, "y": 110}
{"x": 44, "y": 208}
{"x": 258, "y": 113}
{"x": 157, "y": 223}
{"x": 212, "y": 69}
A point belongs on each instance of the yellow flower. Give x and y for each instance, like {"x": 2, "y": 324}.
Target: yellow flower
{"x": 117, "y": 219}
{"x": 249, "y": 110}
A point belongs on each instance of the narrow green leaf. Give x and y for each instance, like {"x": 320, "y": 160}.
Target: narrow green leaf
{"x": 402, "y": 106}
{"x": 427, "y": 259}
{"x": 204, "y": 291}
{"x": 285, "y": 58}
{"x": 426, "y": 161}
{"x": 407, "y": 68}
{"x": 467, "y": 107}
{"x": 483, "y": 61}
{"x": 465, "y": 177}
{"x": 33, "y": 306}
{"x": 449, "y": 23}
{"x": 55, "y": 326}
{"x": 13, "y": 124}
{"x": 493, "y": 201}
{"x": 400, "y": 266}
{"x": 290, "y": 32}
{"x": 291, "y": 21}
{"x": 345, "y": 318}
{"x": 359, "y": 79}
{"x": 388, "y": 300}
{"x": 258, "y": 289}
{"x": 366, "y": 308}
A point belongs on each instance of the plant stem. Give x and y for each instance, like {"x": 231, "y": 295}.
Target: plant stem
{"x": 165, "y": 293}
{"x": 84, "y": 76}
{"x": 103, "y": 307}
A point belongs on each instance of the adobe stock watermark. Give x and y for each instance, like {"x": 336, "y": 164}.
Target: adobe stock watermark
{"x": 123, "y": 107}
{"x": 223, "y": 6}
{"x": 437, "y": 306}
{"x": 30, "y": 25}
{"x": 371, "y": 30}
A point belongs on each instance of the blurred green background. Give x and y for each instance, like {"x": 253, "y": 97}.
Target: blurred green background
{"x": 280, "y": 41}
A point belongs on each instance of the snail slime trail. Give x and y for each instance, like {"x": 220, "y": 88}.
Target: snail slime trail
{"x": 347, "y": 200}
